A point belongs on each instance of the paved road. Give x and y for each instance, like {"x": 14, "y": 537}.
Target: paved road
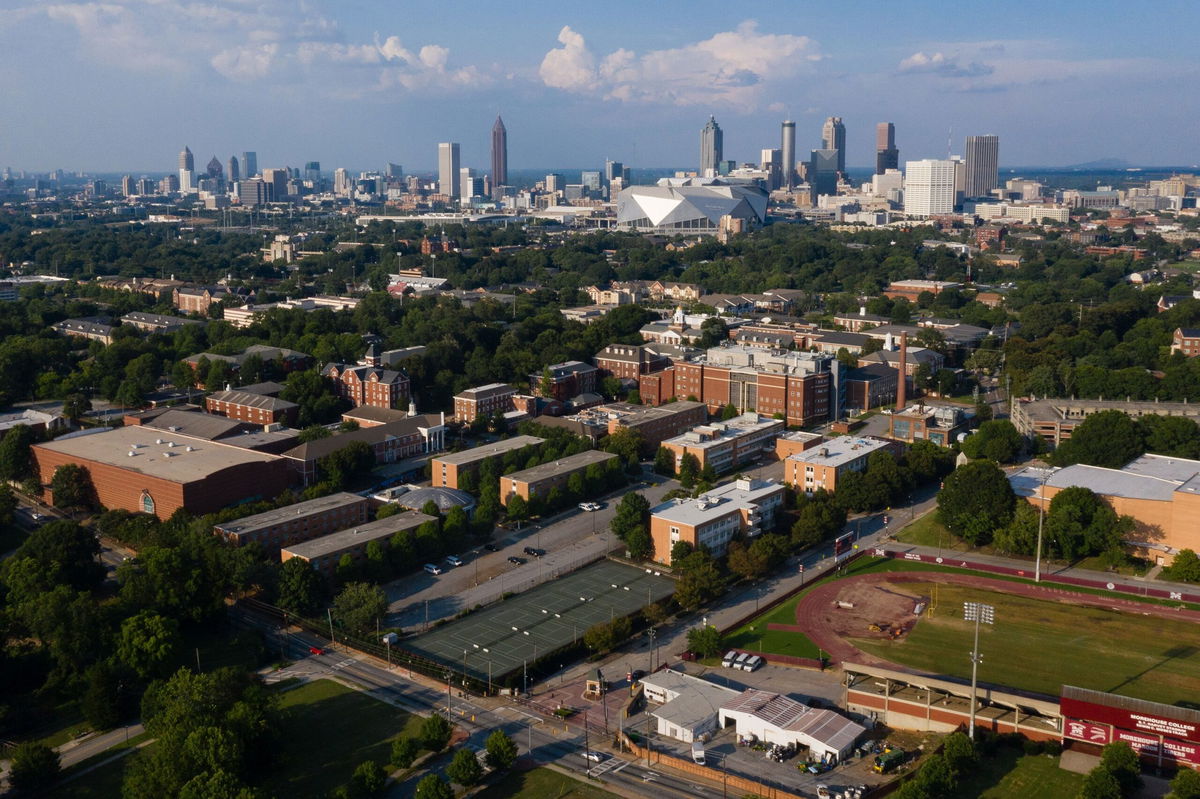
{"x": 570, "y": 540}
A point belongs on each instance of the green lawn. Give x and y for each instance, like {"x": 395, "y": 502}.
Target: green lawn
{"x": 103, "y": 783}
{"x": 542, "y": 783}
{"x": 1038, "y": 645}
{"x": 927, "y": 531}
{"x": 1009, "y": 774}
{"x": 328, "y": 730}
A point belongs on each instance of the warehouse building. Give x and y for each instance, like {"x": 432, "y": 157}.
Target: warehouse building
{"x": 142, "y": 470}
{"x": 777, "y": 719}
{"x": 687, "y": 706}
{"x": 324, "y": 553}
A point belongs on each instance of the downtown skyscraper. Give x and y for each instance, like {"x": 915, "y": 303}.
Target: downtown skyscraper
{"x": 448, "y": 169}
{"x": 712, "y": 148}
{"x": 249, "y": 164}
{"x": 187, "y": 170}
{"x": 833, "y": 137}
{"x": 983, "y": 165}
{"x": 886, "y": 155}
{"x": 499, "y": 156}
{"x": 787, "y": 147}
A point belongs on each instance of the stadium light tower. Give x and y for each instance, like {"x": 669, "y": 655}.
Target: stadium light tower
{"x": 979, "y": 613}
{"x": 1037, "y": 568}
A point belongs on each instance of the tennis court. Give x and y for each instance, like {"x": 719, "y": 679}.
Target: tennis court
{"x": 492, "y": 642}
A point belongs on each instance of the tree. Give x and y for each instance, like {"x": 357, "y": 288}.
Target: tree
{"x": 517, "y": 508}
{"x": 8, "y": 504}
{"x": 432, "y": 786}
{"x": 818, "y": 519}
{"x": 1079, "y": 523}
{"x": 314, "y": 432}
{"x": 34, "y": 767}
{"x": 689, "y": 470}
{"x": 1177, "y": 436}
{"x": 976, "y": 501}
{"x": 1119, "y": 759}
{"x": 368, "y": 779}
{"x": 1185, "y": 567}
{"x": 1108, "y": 438}
{"x": 700, "y": 581}
{"x": 148, "y": 643}
{"x": 346, "y": 464}
{"x": 75, "y": 406}
{"x": 546, "y": 386}
{"x": 680, "y": 550}
{"x": 101, "y": 701}
{"x": 464, "y": 768}
{"x": 63, "y": 552}
{"x": 745, "y": 563}
{"x": 1186, "y": 785}
{"x": 626, "y": 443}
{"x": 960, "y": 754}
{"x": 16, "y": 463}
{"x": 216, "y": 784}
{"x": 639, "y": 543}
{"x": 1100, "y": 784}
{"x": 71, "y": 486}
{"x": 996, "y": 440}
{"x": 1018, "y": 537}
{"x": 435, "y": 733}
{"x": 704, "y": 641}
{"x": 300, "y": 587}
{"x": 501, "y": 750}
{"x": 729, "y": 411}
{"x": 633, "y": 511}
{"x": 405, "y": 751}
{"x": 664, "y": 462}
{"x": 359, "y": 606}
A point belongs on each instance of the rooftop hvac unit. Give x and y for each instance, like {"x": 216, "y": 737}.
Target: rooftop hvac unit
{"x": 189, "y": 449}
{"x": 170, "y": 443}
{"x": 132, "y": 453}
{"x": 158, "y": 441}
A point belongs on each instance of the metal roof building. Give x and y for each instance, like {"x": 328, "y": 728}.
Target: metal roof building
{"x": 774, "y": 718}
{"x": 689, "y": 209}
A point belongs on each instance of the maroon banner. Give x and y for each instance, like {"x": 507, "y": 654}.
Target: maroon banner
{"x": 1129, "y": 719}
{"x": 1086, "y": 731}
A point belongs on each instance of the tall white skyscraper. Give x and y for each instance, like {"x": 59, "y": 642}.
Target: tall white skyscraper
{"x": 983, "y": 165}
{"x": 929, "y": 187}
{"x": 711, "y": 148}
{"x": 833, "y": 137}
{"x": 787, "y": 146}
{"x": 249, "y": 164}
{"x": 448, "y": 169}
{"x": 341, "y": 182}
{"x": 187, "y": 170}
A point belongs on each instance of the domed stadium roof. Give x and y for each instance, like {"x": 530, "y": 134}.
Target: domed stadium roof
{"x": 444, "y": 498}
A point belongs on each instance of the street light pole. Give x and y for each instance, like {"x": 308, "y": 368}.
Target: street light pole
{"x": 979, "y": 613}
{"x": 1037, "y": 569}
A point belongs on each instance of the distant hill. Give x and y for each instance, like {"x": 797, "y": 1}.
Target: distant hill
{"x": 1103, "y": 163}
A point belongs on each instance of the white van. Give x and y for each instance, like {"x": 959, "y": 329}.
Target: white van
{"x": 751, "y": 663}
{"x": 730, "y": 656}
{"x": 740, "y": 662}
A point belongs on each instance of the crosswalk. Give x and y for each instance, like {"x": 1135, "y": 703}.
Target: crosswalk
{"x": 613, "y": 764}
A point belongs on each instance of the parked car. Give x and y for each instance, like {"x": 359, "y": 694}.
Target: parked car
{"x": 729, "y": 658}
{"x": 534, "y": 552}
{"x": 589, "y": 506}
{"x": 752, "y": 663}
{"x": 740, "y": 662}
{"x": 516, "y": 561}
{"x": 595, "y": 757}
{"x": 698, "y": 752}
{"x": 453, "y": 560}
{"x": 490, "y": 547}
{"x": 316, "y": 650}
{"x": 433, "y": 568}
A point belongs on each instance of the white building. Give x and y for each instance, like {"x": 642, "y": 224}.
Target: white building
{"x": 929, "y": 187}
{"x": 777, "y": 719}
{"x": 693, "y": 208}
{"x": 687, "y": 706}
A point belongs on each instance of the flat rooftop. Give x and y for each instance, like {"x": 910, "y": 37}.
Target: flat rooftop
{"x": 580, "y": 461}
{"x": 839, "y": 451}
{"x": 1045, "y": 410}
{"x": 300, "y": 510}
{"x": 363, "y": 533}
{"x": 1109, "y": 482}
{"x": 470, "y": 392}
{"x": 716, "y": 433}
{"x": 488, "y": 450}
{"x": 738, "y": 495}
{"x": 188, "y": 460}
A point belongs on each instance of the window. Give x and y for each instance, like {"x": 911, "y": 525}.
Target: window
{"x": 147, "y": 502}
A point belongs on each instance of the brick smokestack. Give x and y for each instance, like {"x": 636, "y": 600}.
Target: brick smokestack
{"x": 902, "y": 379}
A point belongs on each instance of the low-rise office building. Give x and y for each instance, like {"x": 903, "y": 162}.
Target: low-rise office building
{"x": 745, "y": 507}
{"x": 727, "y": 445}
{"x": 291, "y": 524}
{"x": 541, "y": 480}
{"x": 822, "y": 466}
{"x": 448, "y": 469}
{"x": 324, "y": 553}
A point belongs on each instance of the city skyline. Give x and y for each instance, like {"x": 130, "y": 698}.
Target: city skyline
{"x": 380, "y": 86}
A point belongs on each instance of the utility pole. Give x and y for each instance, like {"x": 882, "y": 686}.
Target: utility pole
{"x": 329, "y": 615}
{"x": 1037, "y": 569}
{"x": 979, "y": 613}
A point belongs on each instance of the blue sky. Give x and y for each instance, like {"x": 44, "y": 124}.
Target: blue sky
{"x": 122, "y": 85}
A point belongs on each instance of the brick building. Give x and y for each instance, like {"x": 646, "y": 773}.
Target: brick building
{"x": 92, "y": 328}
{"x": 283, "y": 359}
{"x": 324, "y": 553}
{"x": 198, "y": 299}
{"x": 1055, "y": 419}
{"x": 796, "y": 441}
{"x": 369, "y": 385}
{"x": 1187, "y": 341}
{"x": 391, "y": 442}
{"x": 370, "y": 416}
{"x": 292, "y": 524}
{"x": 804, "y": 387}
{"x": 822, "y": 466}
{"x": 254, "y": 408}
{"x": 911, "y": 290}
{"x": 566, "y": 380}
{"x": 629, "y": 361}
{"x": 940, "y": 424}
{"x": 871, "y": 386}
{"x": 741, "y": 509}
{"x": 156, "y": 323}
{"x": 540, "y": 480}
{"x": 486, "y": 400}
{"x": 448, "y": 469}
{"x": 727, "y": 445}
{"x": 143, "y": 470}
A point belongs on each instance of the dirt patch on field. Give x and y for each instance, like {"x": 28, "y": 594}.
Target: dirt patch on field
{"x": 880, "y": 610}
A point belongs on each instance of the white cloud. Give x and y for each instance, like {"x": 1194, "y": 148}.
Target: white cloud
{"x": 245, "y": 63}
{"x": 730, "y": 68}
{"x": 947, "y": 66}
{"x": 991, "y": 66}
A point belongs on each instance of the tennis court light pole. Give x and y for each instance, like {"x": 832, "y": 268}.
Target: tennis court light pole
{"x": 979, "y": 613}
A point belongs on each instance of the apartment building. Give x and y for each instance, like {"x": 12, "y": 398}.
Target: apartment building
{"x": 822, "y": 466}
{"x": 564, "y": 380}
{"x": 249, "y": 407}
{"x": 629, "y": 361}
{"x": 743, "y": 508}
{"x": 448, "y": 470}
{"x": 483, "y": 401}
{"x": 540, "y": 480}
{"x": 292, "y": 524}
{"x": 324, "y": 553}
{"x": 727, "y": 445}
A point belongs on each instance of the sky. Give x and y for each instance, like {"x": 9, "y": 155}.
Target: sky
{"x": 123, "y": 85}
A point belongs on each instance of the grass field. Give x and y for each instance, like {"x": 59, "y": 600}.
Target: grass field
{"x": 1009, "y": 774}
{"x": 328, "y": 730}
{"x": 542, "y": 783}
{"x": 103, "y": 783}
{"x": 1038, "y": 645}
